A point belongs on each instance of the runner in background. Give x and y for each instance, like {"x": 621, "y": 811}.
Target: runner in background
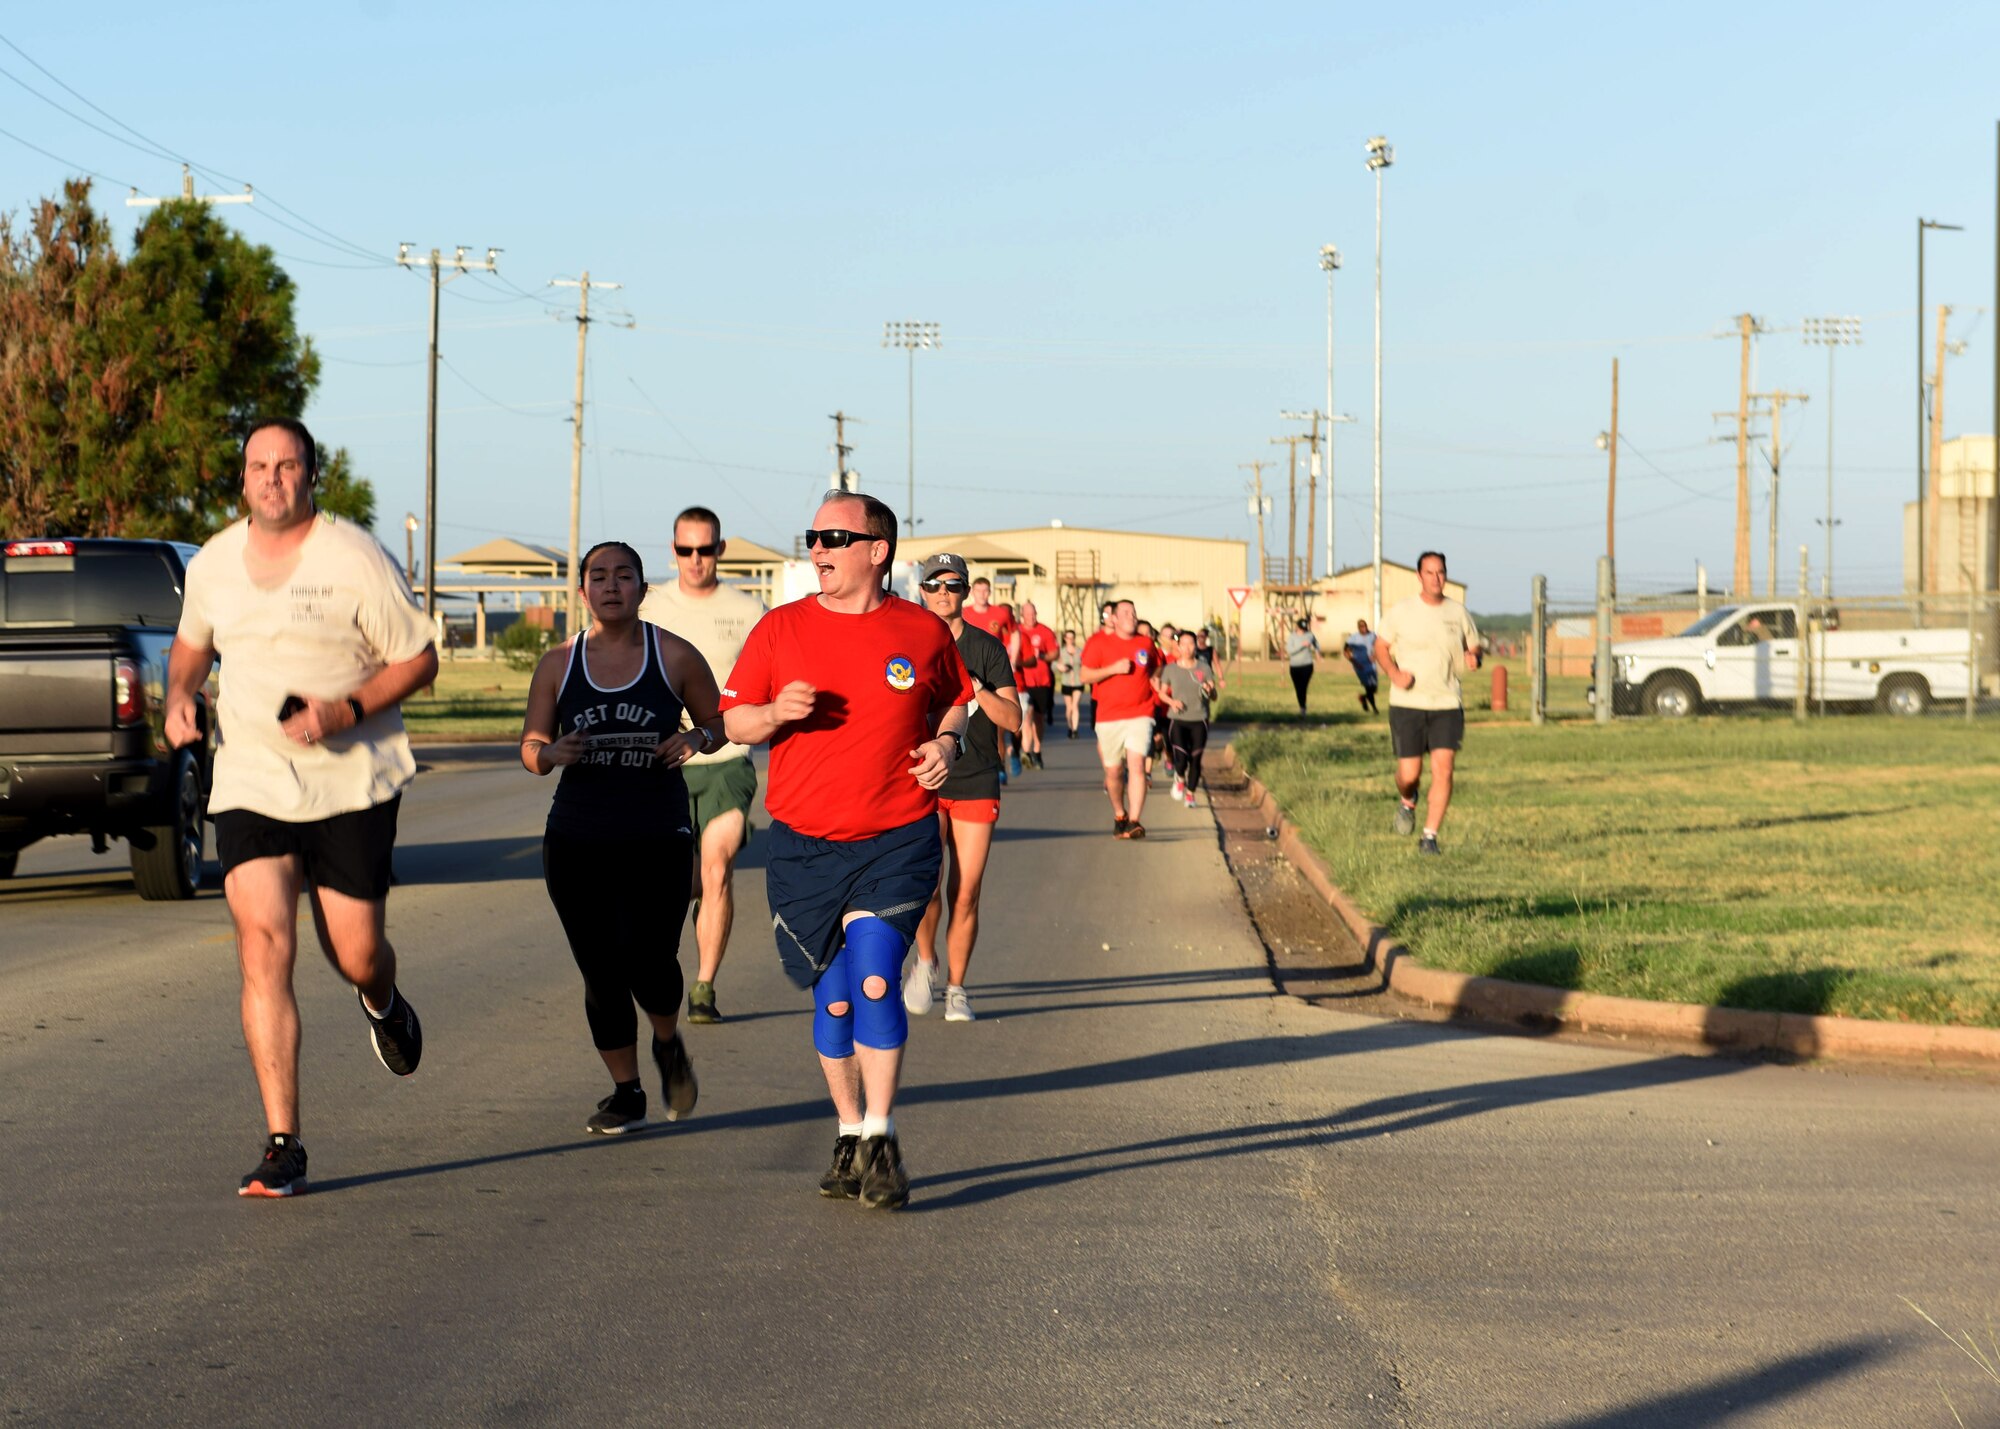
{"x": 1360, "y": 648}
{"x": 1189, "y": 686}
{"x": 1301, "y": 650}
{"x": 1068, "y": 664}
{"x": 1037, "y": 681}
{"x": 1119, "y": 665}
{"x": 997, "y": 621}
{"x": 968, "y": 800}
{"x": 722, "y": 784}
{"x": 1156, "y": 749}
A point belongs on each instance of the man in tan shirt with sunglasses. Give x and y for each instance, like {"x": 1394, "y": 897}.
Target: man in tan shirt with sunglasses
{"x": 722, "y": 785}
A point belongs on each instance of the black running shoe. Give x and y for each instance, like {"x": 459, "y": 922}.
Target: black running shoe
{"x": 282, "y": 1172}
{"x": 1428, "y": 844}
{"x": 701, "y": 1003}
{"x": 1133, "y": 830}
{"x": 677, "y": 1076}
{"x": 884, "y": 1184}
{"x": 842, "y": 1181}
{"x": 619, "y": 1113}
{"x": 399, "y": 1039}
{"x": 1118, "y": 828}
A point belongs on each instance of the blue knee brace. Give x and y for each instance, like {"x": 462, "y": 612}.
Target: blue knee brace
{"x": 833, "y": 1032}
{"x": 875, "y": 949}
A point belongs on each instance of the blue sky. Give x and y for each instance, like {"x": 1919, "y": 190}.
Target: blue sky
{"x": 1114, "y": 212}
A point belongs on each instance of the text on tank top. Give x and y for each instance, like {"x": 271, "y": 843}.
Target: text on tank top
{"x": 619, "y": 788}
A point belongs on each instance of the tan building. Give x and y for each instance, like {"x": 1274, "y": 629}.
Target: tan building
{"x": 1959, "y": 529}
{"x": 1068, "y": 571}
{"x": 1333, "y": 604}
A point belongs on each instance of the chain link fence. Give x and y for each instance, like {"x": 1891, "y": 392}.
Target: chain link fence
{"x": 1676, "y": 654}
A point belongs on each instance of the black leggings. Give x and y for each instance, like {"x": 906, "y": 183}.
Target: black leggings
{"x": 1186, "y": 739}
{"x": 622, "y": 903}
{"x": 1302, "y": 675}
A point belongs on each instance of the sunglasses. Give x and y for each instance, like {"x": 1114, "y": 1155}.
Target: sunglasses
{"x": 707, "y": 550}
{"x": 836, "y": 540}
{"x": 957, "y": 587}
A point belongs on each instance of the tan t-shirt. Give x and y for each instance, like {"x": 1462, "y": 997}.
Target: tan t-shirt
{"x": 325, "y": 630}
{"x": 1430, "y": 642}
{"x": 716, "y": 625}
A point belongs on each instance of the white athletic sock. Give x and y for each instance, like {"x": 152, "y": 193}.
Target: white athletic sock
{"x": 1430, "y": 833}
{"x": 877, "y": 1126}
{"x": 850, "y": 1128}
{"x": 378, "y": 1016}
{"x": 1409, "y": 803}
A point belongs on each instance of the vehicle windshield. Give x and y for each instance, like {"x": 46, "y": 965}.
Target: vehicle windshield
{"x": 1709, "y": 621}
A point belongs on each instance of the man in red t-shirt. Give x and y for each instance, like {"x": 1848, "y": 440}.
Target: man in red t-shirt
{"x": 998, "y": 621}
{"x": 862, "y": 696}
{"x": 1037, "y": 681}
{"x": 1120, "y": 664}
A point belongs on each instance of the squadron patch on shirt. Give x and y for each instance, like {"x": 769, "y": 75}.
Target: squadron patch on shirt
{"x": 901, "y": 672}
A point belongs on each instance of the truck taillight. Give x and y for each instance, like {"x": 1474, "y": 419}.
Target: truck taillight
{"x": 39, "y": 548}
{"x": 131, "y": 692}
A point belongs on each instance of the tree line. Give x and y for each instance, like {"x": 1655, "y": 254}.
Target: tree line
{"x": 127, "y": 383}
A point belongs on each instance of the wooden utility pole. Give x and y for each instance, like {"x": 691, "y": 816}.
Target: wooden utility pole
{"x": 1292, "y": 512}
{"x": 1258, "y": 468}
{"x": 843, "y": 480}
{"x": 583, "y": 285}
{"x": 1777, "y": 401}
{"x": 1932, "y": 501}
{"x": 1739, "y": 584}
{"x": 1611, "y": 490}
{"x": 462, "y": 265}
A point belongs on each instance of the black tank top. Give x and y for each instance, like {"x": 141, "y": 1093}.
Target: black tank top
{"x": 619, "y": 789}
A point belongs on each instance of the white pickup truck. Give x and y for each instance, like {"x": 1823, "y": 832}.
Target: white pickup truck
{"x": 1749, "y": 654}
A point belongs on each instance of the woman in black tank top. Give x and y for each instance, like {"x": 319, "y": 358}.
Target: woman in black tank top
{"x": 618, "y": 855}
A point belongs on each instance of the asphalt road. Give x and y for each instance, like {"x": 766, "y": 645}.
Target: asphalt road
{"x": 1147, "y": 1189}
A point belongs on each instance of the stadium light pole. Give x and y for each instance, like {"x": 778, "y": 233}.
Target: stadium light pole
{"x": 910, "y": 336}
{"x": 1329, "y": 262}
{"x": 1380, "y": 157}
{"x": 1832, "y": 334}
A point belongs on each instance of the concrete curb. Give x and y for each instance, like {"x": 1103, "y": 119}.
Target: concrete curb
{"x": 1542, "y": 1009}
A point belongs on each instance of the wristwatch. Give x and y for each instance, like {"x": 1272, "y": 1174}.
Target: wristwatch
{"x": 354, "y": 705}
{"x": 707, "y": 737}
{"x": 957, "y": 742}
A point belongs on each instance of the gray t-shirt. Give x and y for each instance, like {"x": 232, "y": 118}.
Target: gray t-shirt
{"x": 1185, "y": 685}
{"x": 1301, "y": 647}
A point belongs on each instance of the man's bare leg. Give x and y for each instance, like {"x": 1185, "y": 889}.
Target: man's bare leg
{"x": 720, "y": 843}
{"x": 1442, "y": 762}
{"x": 1135, "y": 784}
{"x": 263, "y": 897}
{"x": 970, "y": 845}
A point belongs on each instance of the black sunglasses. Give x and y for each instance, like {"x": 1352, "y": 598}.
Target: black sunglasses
{"x": 835, "y": 540}
{"x": 707, "y": 550}
{"x": 936, "y": 585}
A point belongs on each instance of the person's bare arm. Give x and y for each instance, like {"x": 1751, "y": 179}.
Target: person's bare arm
{"x": 754, "y": 724}
{"x": 1002, "y": 706}
{"x": 541, "y": 751}
{"x": 696, "y": 683}
{"x": 1386, "y": 659}
{"x": 187, "y": 670}
{"x": 390, "y": 685}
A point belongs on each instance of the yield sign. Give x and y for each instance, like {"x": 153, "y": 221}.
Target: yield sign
{"x": 1239, "y": 594}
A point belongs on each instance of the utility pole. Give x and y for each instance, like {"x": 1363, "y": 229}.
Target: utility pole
{"x": 1924, "y": 225}
{"x": 1777, "y": 401}
{"x": 461, "y": 265}
{"x": 1611, "y": 489}
{"x": 1933, "y": 501}
{"x": 187, "y": 194}
{"x": 1292, "y": 511}
{"x": 843, "y": 479}
{"x": 1312, "y": 480}
{"x": 583, "y": 285}
{"x": 1258, "y": 500}
{"x": 1747, "y": 327}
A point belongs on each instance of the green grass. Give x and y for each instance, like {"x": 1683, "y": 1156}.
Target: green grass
{"x": 1262, "y": 693}
{"x": 1848, "y": 866}
{"x": 472, "y": 700}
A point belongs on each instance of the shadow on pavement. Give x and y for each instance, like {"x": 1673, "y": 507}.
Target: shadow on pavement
{"x": 1722, "y": 1400}
{"x": 1386, "y": 1115}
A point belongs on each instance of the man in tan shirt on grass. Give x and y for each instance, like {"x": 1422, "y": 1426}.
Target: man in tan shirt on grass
{"x": 1423, "y": 645}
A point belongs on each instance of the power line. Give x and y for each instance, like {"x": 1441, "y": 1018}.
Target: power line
{"x": 66, "y": 163}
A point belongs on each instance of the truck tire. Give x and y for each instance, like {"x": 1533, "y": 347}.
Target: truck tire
{"x": 1906, "y": 695}
{"x": 166, "y": 858}
{"x": 1671, "y": 697}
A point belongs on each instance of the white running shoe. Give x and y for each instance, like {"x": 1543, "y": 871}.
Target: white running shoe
{"x": 957, "y": 1007}
{"x": 1180, "y": 789}
{"x": 919, "y": 986}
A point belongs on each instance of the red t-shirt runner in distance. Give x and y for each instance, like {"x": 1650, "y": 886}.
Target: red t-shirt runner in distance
{"x": 993, "y": 620}
{"x": 884, "y": 681}
{"x": 1035, "y": 674}
{"x": 1127, "y": 696}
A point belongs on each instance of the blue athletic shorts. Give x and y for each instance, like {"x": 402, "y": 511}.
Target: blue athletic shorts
{"x": 813, "y": 882}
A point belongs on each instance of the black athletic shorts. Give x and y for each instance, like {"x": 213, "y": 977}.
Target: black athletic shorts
{"x": 1415, "y": 733}
{"x": 348, "y": 853}
{"x": 1043, "y": 698}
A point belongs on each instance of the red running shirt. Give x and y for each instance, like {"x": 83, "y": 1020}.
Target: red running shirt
{"x": 994, "y": 621}
{"x": 1127, "y": 696}
{"x": 884, "y": 679}
{"x": 1037, "y": 674}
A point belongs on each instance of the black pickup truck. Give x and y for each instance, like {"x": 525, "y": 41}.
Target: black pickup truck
{"x": 85, "y": 626}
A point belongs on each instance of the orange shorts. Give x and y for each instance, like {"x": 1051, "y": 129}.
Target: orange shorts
{"x": 971, "y": 811}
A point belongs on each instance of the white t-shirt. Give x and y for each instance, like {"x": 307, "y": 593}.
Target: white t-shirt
{"x": 341, "y": 616}
{"x": 1428, "y": 641}
{"x": 716, "y": 625}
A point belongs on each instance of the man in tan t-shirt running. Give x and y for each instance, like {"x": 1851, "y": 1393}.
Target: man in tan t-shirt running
{"x": 722, "y": 784}
{"x": 1422, "y": 646}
